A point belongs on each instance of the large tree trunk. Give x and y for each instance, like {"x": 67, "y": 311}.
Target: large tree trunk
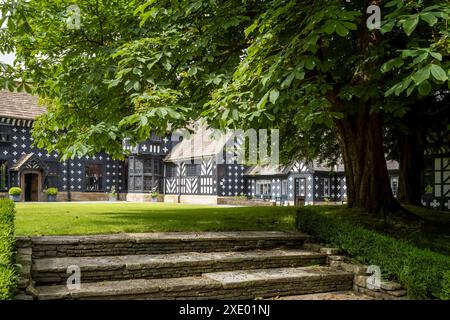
{"x": 411, "y": 161}
{"x": 367, "y": 179}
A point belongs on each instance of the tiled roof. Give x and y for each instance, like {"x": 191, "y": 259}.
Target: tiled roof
{"x": 201, "y": 144}
{"x": 18, "y": 105}
{"x": 268, "y": 170}
{"x": 322, "y": 166}
{"x": 22, "y": 160}
{"x": 392, "y": 165}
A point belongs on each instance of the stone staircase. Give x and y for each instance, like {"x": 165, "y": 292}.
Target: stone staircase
{"x": 211, "y": 265}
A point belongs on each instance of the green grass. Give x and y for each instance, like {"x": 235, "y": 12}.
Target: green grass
{"x": 7, "y": 271}
{"x": 99, "y": 218}
{"x": 416, "y": 254}
{"x": 433, "y": 234}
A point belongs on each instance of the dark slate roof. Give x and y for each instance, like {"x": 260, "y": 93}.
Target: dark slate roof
{"x": 269, "y": 170}
{"x": 18, "y": 105}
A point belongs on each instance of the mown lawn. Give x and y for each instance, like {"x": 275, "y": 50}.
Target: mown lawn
{"x": 98, "y": 218}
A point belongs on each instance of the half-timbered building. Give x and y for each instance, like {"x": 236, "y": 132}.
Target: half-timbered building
{"x": 34, "y": 170}
{"x": 197, "y": 169}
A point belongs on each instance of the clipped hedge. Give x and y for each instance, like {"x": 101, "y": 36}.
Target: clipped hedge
{"x": 424, "y": 274}
{"x": 7, "y": 271}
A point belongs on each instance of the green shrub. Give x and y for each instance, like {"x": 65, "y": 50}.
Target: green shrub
{"x": 15, "y": 191}
{"x": 445, "y": 295}
{"x": 7, "y": 271}
{"x": 424, "y": 274}
{"x": 51, "y": 191}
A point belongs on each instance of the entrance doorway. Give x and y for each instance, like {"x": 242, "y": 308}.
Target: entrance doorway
{"x": 300, "y": 191}
{"x": 31, "y": 187}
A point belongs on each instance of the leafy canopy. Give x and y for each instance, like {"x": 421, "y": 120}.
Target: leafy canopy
{"x": 299, "y": 66}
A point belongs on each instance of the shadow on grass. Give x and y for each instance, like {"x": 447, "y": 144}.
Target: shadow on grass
{"x": 94, "y": 220}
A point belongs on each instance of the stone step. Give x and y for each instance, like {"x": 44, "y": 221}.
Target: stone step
{"x": 158, "y": 242}
{"x": 182, "y": 264}
{"x": 241, "y": 284}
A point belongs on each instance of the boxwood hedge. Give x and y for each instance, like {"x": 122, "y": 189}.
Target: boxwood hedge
{"x": 7, "y": 271}
{"x": 424, "y": 274}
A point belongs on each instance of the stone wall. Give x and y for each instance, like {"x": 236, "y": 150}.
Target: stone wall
{"x": 87, "y": 196}
{"x": 117, "y": 244}
{"x": 171, "y": 198}
{"x": 362, "y": 283}
{"x": 190, "y": 199}
{"x": 142, "y": 197}
{"x": 78, "y": 196}
{"x": 243, "y": 202}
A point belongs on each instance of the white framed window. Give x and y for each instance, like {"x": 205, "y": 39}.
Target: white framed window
{"x": 284, "y": 186}
{"x": 263, "y": 187}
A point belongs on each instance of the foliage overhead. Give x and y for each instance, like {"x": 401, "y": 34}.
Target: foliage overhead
{"x": 139, "y": 65}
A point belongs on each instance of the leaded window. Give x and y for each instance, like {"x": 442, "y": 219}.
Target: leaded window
{"x": 284, "y": 186}
{"x": 5, "y": 133}
{"x": 144, "y": 174}
{"x": 94, "y": 177}
{"x": 192, "y": 170}
{"x": 53, "y": 171}
{"x": 263, "y": 187}
{"x": 171, "y": 171}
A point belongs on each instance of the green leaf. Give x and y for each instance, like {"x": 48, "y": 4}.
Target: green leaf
{"x": 420, "y": 58}
{"x": 287, "y": 82}
{"x": 262, "y": 103}
{"x": 329, "y": 28}
{"x": 421, "y": 75}
{"x": 436, "y": 55}
{"x": 438, "y": 73}
{"x": 167, "y": 65}
{"x": 310, "y": 63}
{"x": 397, "y": 62}
{"x": 429, "y": 18}
{"x": 300, "y": 75}
{"x": 251, "y": 28}
{"x": 341, "y": 30}
{"x": 424, "y": 88}
{"x": 192, "y": 71}
{"x": 410, "y": 90}
{"x": 349, "y": 25}
{"x": 387, "y": 27}
{"x": 274, "y": 94}
{"x": 410, "y": 24}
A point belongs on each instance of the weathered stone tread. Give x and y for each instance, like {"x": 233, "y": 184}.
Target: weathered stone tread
{"x": 221, "y": 285}
{"x": 167, "y": 237}
{"x": 158, "y": 243}
{"x": 53, "y": 270}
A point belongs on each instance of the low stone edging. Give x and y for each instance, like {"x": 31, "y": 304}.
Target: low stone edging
{"x": 387, "y": 290}
{"x": 243, "y": 202}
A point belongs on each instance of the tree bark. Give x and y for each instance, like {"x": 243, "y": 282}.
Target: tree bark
{"x": 367, "y": 179}
{"x": 411, "y": 161}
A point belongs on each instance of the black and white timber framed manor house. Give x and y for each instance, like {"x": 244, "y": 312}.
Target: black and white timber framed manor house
{"x": 162, "y": 163}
